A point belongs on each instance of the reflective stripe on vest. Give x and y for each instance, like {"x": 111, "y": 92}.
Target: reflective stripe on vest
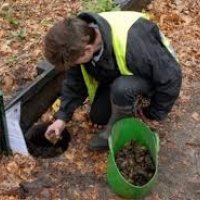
{"x": 90, "y": 83}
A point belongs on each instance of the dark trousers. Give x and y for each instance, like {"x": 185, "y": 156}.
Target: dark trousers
{"x": 122, "y": 92}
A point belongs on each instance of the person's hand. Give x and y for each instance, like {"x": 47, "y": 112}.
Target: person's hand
{"x": 53, "y": 132}
{"x": 153, "y": 124}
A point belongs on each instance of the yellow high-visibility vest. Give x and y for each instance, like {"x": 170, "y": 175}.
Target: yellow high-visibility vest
{"x": 120, "y": 23}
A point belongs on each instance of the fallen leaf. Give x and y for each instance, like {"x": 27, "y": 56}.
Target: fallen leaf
{"x": 47, "y": 117}
{"x": 5, "y": 49}
{"x": 12, "y": 167}
{"x": 9, "y": 83}
{"x": 186, "y": 18}
{"x": 79, "y": 116}
{"x": 153, "y": 197}
{"x": 100, "y": 168}
{"x": 70, "y": 156}
{"x": 195, "y": 116}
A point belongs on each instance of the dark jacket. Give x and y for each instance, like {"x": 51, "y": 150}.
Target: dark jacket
{"x": 146, "y": 57}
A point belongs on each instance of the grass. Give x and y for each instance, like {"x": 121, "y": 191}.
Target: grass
{"x": 99, "y": 6}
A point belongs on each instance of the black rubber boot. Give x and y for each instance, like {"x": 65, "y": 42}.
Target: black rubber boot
{"x": 100, "y": 141}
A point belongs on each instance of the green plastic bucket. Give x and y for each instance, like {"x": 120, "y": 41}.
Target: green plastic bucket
{"x": 124, "y": 131}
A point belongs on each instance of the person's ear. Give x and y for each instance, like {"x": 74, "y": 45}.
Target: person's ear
{"x": 89, "y": 49}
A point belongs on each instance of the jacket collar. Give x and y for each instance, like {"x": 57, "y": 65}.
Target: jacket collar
{"x": 105, "y": 30}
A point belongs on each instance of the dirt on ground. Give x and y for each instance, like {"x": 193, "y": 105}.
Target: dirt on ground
{"x": 80, "y": 173}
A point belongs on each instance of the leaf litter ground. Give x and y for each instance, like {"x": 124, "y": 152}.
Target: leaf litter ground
{"x": 79, "y": 173}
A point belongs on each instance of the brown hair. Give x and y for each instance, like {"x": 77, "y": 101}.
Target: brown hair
{"x": 65, "y": 41}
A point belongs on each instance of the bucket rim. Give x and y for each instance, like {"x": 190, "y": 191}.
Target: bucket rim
{"x": 125, "y": 180}
{"x": 112, "y": 156}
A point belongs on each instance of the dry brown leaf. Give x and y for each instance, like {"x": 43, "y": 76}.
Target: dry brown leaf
{"x": 47, "y": 117}
{"x": 153, "y": 197}
{"x": 79, "y": 116}
{"x": 9, "y": 83}
{"x": 12, "y": 167}
{"x": 195, "y": 116}
{"x": 36, "y": 53}
{"x": 70, "y": 156}
{"x": 186, "y": 18}
{"x": 80, "y": 165}
{"x": 184, "y": 98}
{"x": 100, "y": 168}
{"x": 5, "y": 49}
{"x": 5, "y": 7}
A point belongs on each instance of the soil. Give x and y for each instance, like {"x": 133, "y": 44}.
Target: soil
{"x": 39, "y": 146}
{"x": 135, "y": 163}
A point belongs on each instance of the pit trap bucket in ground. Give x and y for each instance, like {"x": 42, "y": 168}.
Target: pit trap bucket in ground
{"x": 39, "y": 146}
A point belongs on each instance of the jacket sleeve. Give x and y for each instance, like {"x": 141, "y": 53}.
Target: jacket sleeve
{"x": 73, "y": 93}
{"x": 166, "y": 78}
{"x": 150, "y": 59}
{"x": 167, "y": 88}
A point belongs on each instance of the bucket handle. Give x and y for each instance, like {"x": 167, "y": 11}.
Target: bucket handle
{"x": 157, "y": 141}
{"x": 110, "y": 145}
